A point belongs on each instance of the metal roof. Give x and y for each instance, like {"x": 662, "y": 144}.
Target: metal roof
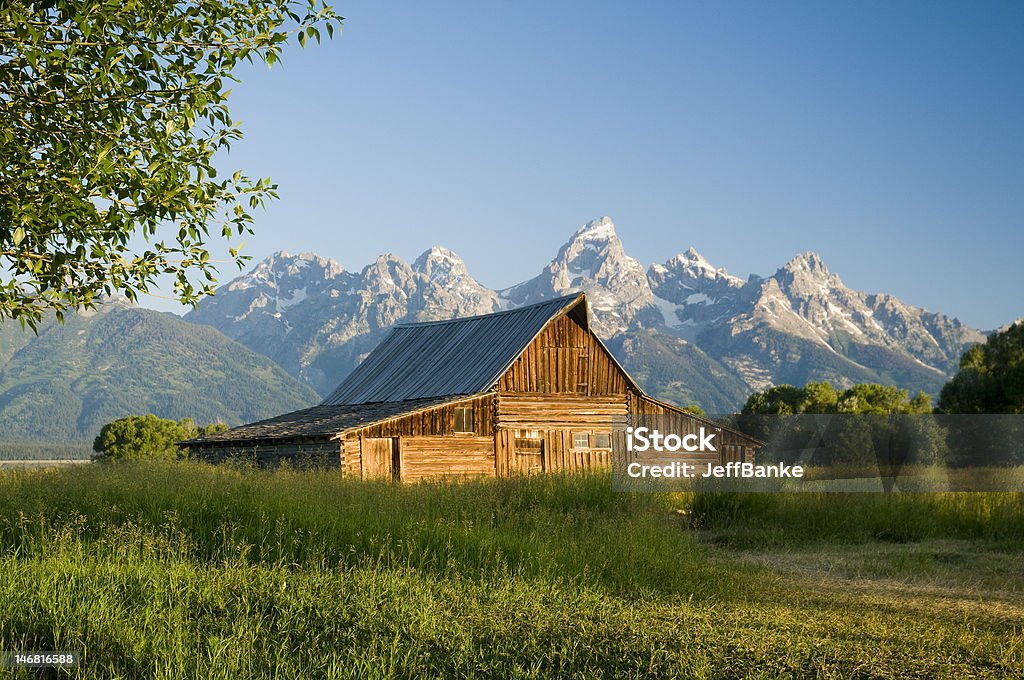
{"x": 442, "y": 358}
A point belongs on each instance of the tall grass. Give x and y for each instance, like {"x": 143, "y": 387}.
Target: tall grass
{"x": 188, "y": 570}
{"x": 570, "y": 528}
{"x": 797, "y": 519}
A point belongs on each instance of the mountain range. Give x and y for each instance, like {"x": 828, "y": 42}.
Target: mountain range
{"x": 689, "y": 331}
{"x": 287, "y": 332}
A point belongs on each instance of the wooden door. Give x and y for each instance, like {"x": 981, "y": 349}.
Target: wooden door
{"x": 381, "y": 458}
{"x": 528, "y": 456}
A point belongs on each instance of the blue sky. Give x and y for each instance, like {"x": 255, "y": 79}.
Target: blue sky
{"x": 889, "y": 137}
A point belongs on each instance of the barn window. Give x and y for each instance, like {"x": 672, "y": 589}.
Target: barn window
{"x": 602, "y": 440}
{"x": 464, "y": 419}
{"x": 581, "y": 440}
{"x": 527, "y": 434}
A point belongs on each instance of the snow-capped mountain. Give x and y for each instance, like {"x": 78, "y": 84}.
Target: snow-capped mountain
{"x": 593, "y": 261}
{"x": 803, "y": 324}
{"x": 690, "y": 291}
{"x": 689, "y": 330}
{"x": 317, "y": 320}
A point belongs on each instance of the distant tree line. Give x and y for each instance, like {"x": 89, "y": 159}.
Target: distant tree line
{"x": 869, "y": 423}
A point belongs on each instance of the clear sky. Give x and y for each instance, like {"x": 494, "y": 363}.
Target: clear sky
{"x": 887, "y": 136}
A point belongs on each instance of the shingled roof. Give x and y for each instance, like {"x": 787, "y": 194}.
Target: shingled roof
{"x": 438, "y": 358}
{"x": 319, "y": 422}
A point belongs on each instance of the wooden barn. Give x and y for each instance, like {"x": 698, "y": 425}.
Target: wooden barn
{"x": 522, "y": 391}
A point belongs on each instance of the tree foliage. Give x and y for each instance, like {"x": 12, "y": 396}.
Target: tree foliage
{"x": 990, "y": 381}
{"x": 822, "y": 398}
{"x": 991, "y": 376}
{"x": 112, "y": 114}
{"x": 867, "y": 424}
{"x": 147, "y": 437}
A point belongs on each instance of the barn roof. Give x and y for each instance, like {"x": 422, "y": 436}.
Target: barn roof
{"x": 319, "y": 422}
{"x": 439, "y": 358}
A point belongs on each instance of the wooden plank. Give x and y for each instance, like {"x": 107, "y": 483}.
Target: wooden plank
{"x": 428, "y": 457}
{"x": 376, "y": 457}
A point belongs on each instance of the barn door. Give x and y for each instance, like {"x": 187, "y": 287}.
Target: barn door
{"x": 382, "y": 458}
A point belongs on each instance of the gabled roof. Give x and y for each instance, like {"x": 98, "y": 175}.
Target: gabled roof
{"x": 442, "y": 358}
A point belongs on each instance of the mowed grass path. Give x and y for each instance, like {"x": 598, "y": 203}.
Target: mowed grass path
{"x": 191, "y": 571}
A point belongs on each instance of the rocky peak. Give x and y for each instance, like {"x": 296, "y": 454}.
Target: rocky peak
{"x": 694, "y": 267}
{"x": 388, "y": 274}
{"x": 441, "y": 266}
{"x": 809, "y": 261}
{"x": 595, "y": 253}
{"x": 284, "y": 270}
{"x": 691, "y": 289}
{"x": 806, "y": 275}
{"x": 601, "y": 229}
{"x": 594, "y": 261}
{"x": 447, "y": 289}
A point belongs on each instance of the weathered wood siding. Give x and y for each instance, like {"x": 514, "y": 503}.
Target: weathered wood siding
{"x": 351, "y": 457}
{"x": 428, "y": 445}
{"x": 539, "y": 411}
{"x": 432, "y": 457}
{"x": 731, "y": 447}
{"x": 564, "y": 358}
{"x": 553, "y": 419}
{"x": 564, "y": 383}
{"x": 438, "y": 421}
{"x": 376, "y": 457}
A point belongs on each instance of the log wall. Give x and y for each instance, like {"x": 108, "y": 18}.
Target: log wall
{"x": 436, "y": 422}
{"x": 428, "y": 444}
{"x": 554, "y": 419}
{"x": 433, "y": 457}
{"x": 351, "y": 457}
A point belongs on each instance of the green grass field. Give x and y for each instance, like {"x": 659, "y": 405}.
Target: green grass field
{"x": 185, "y": 570}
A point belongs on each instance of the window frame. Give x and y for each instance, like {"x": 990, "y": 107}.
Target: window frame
{"x": 472, "y": 420}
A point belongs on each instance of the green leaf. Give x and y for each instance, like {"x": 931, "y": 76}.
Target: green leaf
{"x": 18, "y": 236}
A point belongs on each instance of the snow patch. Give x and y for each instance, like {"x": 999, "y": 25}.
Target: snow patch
{"x": 297, "y": 296}
{"x": 668, "y": 311}
{"x": 599, "y": 229}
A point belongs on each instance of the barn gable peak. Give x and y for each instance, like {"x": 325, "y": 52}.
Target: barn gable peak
{"x": 452, "y": 357}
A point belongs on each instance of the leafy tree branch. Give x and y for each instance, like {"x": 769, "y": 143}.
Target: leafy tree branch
{"x": 110, "y": 117}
